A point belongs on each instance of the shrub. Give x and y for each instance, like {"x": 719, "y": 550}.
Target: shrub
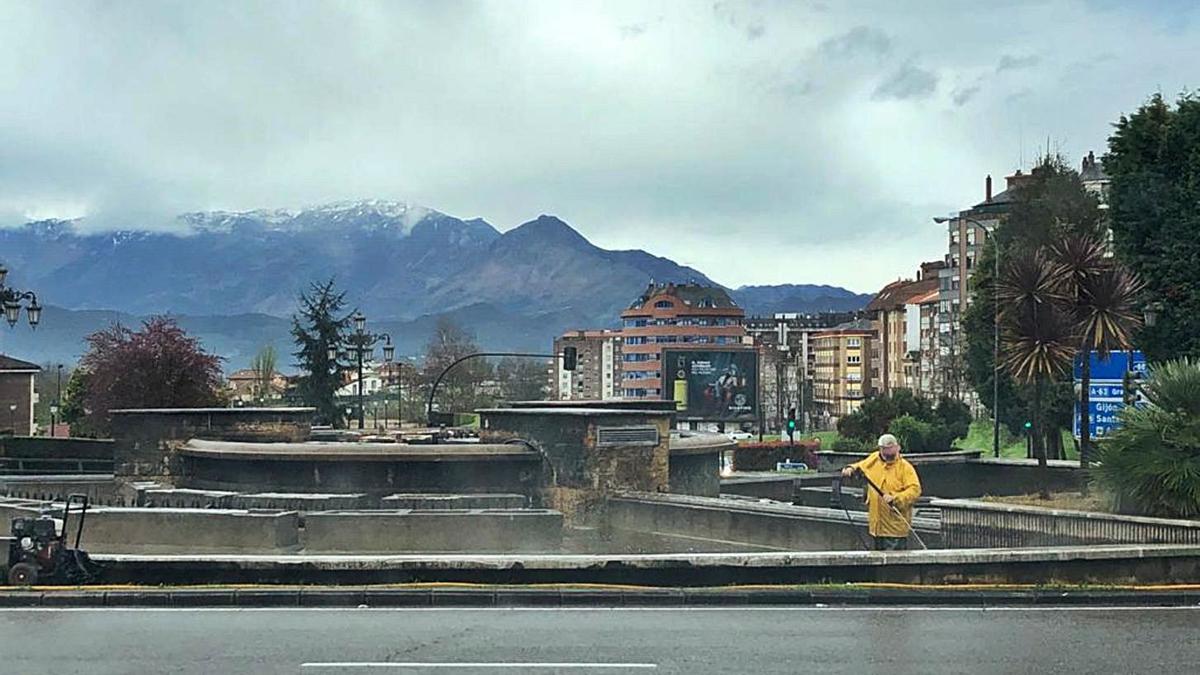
{"x": 913, "y": 434}
{"x": 764, "y": 456}
{"x": 925, "y": 428}
{"x": 1151, "y": 465}
{"x": 941, "y": 438}
{"x": 955, "y": 416}
{"x": 844, "y": 444}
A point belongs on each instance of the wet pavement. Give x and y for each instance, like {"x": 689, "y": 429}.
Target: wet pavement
{"x": 768, "y": 640}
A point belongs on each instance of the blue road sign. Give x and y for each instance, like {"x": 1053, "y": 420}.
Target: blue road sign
{"x": 1106, "y": 390}
{"x": 1103, "y": 418}
{"x": 1111, "y": 368}
{"x": 1100, "y": 391}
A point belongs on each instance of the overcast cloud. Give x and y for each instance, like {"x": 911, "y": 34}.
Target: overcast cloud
{"x": 762, "y": 142}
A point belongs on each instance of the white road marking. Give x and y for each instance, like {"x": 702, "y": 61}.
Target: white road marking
{"x": 497, "y": 664}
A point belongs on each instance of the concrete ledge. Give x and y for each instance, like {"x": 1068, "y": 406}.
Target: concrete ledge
{"x": 433, "y": 500}
{"x": 183, "y": 498}
{"x": 100, "y": 488}
{"x": 766, "y": 485}
{"x": 831, "y": 461}
{"x": 782, "y": 527}
{"x": 570, "y": 596}
{"x": 434, "y": 530}
{"x": 301, "y": 501}
{"x": 686, "y": 442}
{"x": 361, "y": 452}
{"x": 968, "y": 523}
{"x": 1155, "y": 564}
{"x": 115, "y": 530}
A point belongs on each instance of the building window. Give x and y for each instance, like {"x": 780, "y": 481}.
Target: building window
{"x": 853, "y": 342}
{"x": 854, "y": 359}
{"x": 664, "y": 304}
{"x": 641, "y": 374}
{"x": 635, "y": 323}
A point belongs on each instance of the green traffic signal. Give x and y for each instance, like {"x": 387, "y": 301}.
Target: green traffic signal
{"x": 791, "y": 424}
{"x": 1029, "y": 425}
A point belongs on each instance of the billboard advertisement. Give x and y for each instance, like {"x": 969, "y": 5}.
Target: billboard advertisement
{"x": 712, "y": 385}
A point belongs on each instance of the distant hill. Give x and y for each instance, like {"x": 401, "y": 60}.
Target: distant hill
{"x": 766, "y": 300}
{"x": 233, "y": 278}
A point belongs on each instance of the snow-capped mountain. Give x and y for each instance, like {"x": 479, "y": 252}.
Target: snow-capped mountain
{"x": 396, "y": 261}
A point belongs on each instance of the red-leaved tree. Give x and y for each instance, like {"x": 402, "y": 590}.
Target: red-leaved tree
{"x": 159, "y": 366}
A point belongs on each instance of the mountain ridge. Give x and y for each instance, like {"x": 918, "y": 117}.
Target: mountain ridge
{"x": 399, "y": 262}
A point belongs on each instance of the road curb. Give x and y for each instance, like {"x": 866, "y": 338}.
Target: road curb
{"x": 516, "y": 597}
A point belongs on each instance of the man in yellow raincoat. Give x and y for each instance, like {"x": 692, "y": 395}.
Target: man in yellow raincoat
{"x": 901, "y": 489}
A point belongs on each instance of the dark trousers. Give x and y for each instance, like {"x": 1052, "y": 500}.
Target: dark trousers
{"x": 891, "y": 543}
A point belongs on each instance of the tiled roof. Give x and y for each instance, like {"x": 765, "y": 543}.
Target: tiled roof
{"x": 1006, "y": 197}
{"x": 900, "y": 293}
{"x": 692, "y": 295}
{"x": 931, "y": 296}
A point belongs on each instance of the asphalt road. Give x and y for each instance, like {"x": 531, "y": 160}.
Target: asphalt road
{"x": 770, "y": 640}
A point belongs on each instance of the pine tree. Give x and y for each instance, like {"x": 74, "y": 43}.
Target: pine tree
{"x": 320, "y": 324}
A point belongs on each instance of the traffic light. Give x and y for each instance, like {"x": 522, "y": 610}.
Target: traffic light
{"x": 1130, "y": 387}
{"x": 791, "y": 424}
{"x": 570, "y": 357}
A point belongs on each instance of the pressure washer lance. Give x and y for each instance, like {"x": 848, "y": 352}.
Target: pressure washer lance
{"x": 912, "y": 530}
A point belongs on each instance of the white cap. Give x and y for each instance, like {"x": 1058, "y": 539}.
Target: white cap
{"x": 887, "y": 441}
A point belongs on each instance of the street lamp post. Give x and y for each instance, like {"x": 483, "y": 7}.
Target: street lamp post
{"x": 361, "y": 343}
{"x": 57, "y": 399}
{"x": 12, "y": 300}
{"x": 995, "y": 327}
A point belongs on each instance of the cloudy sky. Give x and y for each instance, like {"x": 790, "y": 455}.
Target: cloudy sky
{"x": 762, "y": 142}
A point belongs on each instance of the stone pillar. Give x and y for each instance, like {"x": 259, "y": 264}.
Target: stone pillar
{"x": 589, "y": 452}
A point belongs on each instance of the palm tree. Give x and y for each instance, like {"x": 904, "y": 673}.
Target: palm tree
{"x": 1151, "y": 465}
{"x": 1039, "y": 336}
{"x": 1102, "y": 295}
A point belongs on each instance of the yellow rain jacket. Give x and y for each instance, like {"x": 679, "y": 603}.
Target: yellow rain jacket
{"x": 898, "y": 478}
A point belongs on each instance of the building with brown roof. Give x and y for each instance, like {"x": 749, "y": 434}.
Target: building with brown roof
{"x": 897, "y": 332}
{"x": 671, "y": 316}
{"x": 841, "y": 373}
{"x": 245, "y": 387}
{"x": 787, "y": 361}
{"x": 17, "y": 396}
